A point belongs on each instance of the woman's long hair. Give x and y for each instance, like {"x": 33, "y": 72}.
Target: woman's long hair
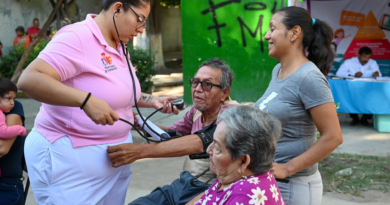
{"x": 317, "y": 36}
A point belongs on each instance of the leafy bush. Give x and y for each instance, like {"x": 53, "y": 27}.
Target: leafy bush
{"x": 9, "y": 62}
{"x": 143, "y": 62}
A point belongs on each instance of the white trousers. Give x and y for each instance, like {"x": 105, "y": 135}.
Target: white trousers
{"x": 60, "y": 174}
{"x": 303, "y": 190}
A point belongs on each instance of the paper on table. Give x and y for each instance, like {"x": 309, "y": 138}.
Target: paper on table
{"x": 384, "y": 79}
{"x": 343, "y": 76}
{"x": 363, "y": 79}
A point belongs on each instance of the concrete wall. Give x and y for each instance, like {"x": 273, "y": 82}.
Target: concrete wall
{"x": 14, "y": 13}
{"x": 171, "y": 29}
{"x": 237, "y": 36}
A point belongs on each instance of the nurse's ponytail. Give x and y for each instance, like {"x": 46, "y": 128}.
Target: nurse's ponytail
{"x": 317, "y": 36}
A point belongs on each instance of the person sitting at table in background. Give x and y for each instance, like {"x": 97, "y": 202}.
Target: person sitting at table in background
{"x": 241, "y": 156}
{"x": 210, "y": 96}
{"x": 361, "y": 66}
{"x": 21, "y": 38}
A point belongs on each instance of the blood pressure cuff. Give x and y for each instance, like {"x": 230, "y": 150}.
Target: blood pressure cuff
{"x": 173, "y": 133}
{"x": 206, "y": 135}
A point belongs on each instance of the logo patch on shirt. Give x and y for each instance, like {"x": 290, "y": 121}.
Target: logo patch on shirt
{"x": 267, "y": 100}
{"x": 107, "y": 62}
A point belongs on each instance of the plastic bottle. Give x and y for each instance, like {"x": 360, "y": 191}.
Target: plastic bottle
{"x": 344, "y": 172}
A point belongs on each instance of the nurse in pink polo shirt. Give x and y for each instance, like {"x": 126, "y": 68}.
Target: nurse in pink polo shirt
{"x": 66, "y": 152}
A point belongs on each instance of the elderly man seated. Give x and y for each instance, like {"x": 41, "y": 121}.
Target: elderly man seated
{"x": 241, "y": 156}
{"x": 210, "y": 96}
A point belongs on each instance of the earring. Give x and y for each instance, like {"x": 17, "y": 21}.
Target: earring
{"x": 292, "y": 40}
{"x": 244, "y": 177}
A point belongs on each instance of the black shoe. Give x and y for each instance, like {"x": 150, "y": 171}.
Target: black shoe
{"x": 354, "y": 122}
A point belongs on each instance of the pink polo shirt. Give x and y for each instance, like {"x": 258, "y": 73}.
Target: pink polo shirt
{"x": 85, "y": 61}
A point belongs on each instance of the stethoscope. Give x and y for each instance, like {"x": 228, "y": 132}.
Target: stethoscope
{"x": 178, "y": 103}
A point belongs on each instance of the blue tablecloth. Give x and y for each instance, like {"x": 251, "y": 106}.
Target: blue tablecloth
{"x": 361, "y": 96}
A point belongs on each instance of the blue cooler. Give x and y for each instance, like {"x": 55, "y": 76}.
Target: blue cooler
{"x": 382, "y": 123}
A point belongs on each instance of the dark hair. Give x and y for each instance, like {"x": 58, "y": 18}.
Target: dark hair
{"x": 227, "y": 75}
{"x": 19, "y": 28}
{"x": 132, "y": 3}
{"x": 316, "y": 39}
{"x": 1, "y": 43}
{"x": 49, "y": 30}
{"x": 35, "y": 19}
{"x": 6, "y": 86}
{"x": 365, "y": 50}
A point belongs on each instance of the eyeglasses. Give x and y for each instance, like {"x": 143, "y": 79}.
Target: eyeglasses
{"x": 206, "y": 86}
{"x": 141, "y": 22}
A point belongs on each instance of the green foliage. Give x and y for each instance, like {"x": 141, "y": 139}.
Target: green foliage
{"x": 143, "y": 62}
{"x": 9, "y": 62}
{"x": 368, "y": 173}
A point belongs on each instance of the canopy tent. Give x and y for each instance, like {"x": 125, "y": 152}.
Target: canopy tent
{"x": 355, "y": 24}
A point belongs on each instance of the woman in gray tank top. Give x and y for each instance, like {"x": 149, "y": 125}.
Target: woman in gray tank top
{"x": 299, "y": 95}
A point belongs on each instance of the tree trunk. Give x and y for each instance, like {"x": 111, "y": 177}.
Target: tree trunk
{"x": 142, "y": 40}
{"x": 23, "y": 59}
{"x": 156, "y": 48}
{"x": 155, "y": 34}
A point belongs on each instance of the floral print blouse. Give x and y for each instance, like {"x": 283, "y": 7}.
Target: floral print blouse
{"x": 259, "y": 189}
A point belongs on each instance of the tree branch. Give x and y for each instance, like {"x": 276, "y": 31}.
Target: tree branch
{"x": 71, "y": 2}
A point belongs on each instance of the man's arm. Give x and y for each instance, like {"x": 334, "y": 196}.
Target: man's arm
{"x": 344, "y": 70}
{"x": 128, "y": 153}
{"x": 6, "y": 144}
{"x": 147, "y": 100}
{"x": 375, "y": 69}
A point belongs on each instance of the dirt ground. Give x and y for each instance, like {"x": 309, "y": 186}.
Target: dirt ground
{"x": 369, "y": 197}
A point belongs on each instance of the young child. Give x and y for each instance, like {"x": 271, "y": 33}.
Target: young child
{"x": 8, "y": 93}
{"x": 21, "y": 38}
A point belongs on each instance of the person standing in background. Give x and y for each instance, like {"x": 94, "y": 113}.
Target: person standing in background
{"x": 21, "y": 38}
{"x": 34, "y": 30}
{"x": 11, "y": 149}
{"x": 1, "y": 46}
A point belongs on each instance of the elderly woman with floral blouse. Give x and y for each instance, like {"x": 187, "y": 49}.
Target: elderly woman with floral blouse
{"x": 241, "y": 156}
